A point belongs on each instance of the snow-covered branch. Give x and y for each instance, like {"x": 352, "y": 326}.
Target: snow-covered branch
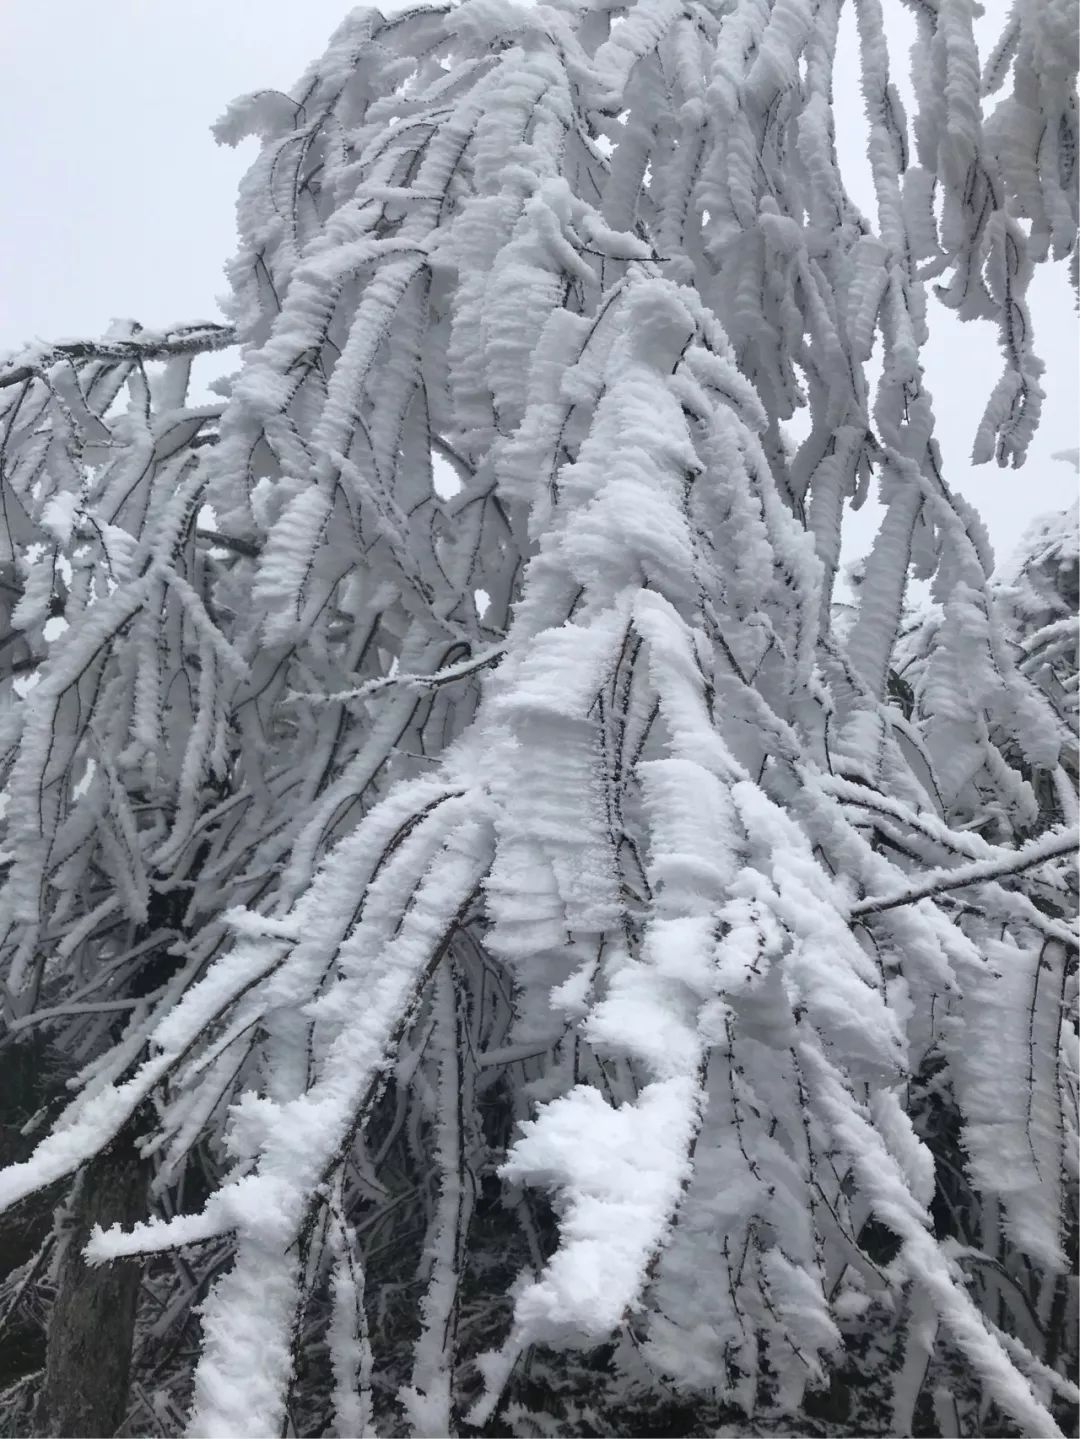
{"x": 141, "y": 344}
{"x": 1043, "y": 850}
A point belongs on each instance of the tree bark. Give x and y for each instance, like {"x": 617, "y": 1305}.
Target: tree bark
{"x": 28, "y": 1079}
{"x": 92, "y": 1328}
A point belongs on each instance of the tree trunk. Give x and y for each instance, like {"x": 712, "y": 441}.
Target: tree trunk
{"x": 85, "y": 1389}
{"x": 28, "y": 1079}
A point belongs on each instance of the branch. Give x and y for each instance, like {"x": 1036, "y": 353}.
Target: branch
{"x": 434, "y": 681}
{"x": 20, "y": 667}
{"x": 1055, "y": 845}
{"x": 447, "y": 452}
{"x": 148, "y": 345}
{"x": 239, "y": 546}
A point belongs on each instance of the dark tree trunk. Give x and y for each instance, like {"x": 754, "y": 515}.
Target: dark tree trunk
{"x": 92, "y": 1326}
{"x": 28, "y": 1079}
{"x": 85, "y": 1389}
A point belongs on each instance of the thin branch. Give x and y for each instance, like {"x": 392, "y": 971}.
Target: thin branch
{"x": 239, "y": 546}
{"x": 20, "y": 667}
{"x": 1052, "y": 846}
{"x": 149, "y": 345}
{"x": 434, "y": 681}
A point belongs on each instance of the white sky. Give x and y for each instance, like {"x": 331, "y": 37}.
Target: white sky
{"x": 120, "y": 204}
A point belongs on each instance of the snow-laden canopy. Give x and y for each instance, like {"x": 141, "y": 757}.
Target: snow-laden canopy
{"x": 487, "y": 752}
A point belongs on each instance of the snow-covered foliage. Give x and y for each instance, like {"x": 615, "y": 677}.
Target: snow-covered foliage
{"x": 1044, "y": 598}
{"x": 562, "y": 982}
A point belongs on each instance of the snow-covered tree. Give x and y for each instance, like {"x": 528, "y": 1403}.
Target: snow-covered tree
{"x": 546, "y": 974}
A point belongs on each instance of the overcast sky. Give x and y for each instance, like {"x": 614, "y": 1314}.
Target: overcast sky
{"x": 120, "y": 204}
